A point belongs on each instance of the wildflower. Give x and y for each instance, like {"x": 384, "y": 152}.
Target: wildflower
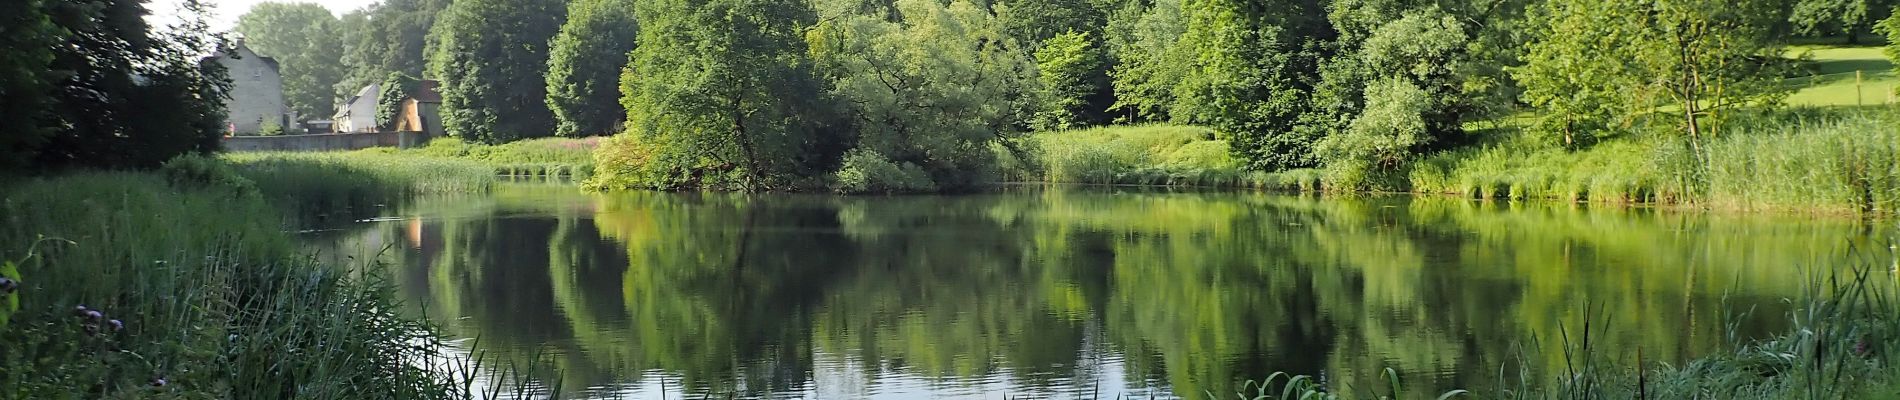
{"x": 80, "y": 309}
{"x": 7, "y": 286}
{"x": 94, "y": 315}
{"x": 158, "y": 382}
{"x": 116, "y": 325}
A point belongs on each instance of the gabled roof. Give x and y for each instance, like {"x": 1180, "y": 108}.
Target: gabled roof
{"x": 241, "y": 52}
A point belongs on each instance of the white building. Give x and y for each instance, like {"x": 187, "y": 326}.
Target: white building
{"x": 358, "y": 113}
{"x": 257, "y": 91}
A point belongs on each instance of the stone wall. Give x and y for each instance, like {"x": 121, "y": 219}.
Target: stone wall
{"x": 326, "y": 142}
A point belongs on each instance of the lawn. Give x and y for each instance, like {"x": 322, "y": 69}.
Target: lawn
{"x": 1829, "y": 79}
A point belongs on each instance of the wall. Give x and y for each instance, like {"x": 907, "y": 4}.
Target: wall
{"x": 257, "y": 92}
{"x": 329, "y": 142}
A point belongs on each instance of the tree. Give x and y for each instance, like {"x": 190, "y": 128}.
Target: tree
{"x": 307, "y": 42}
{"x": 720, "y": 94}
{"x": 584, "y": 66}
{"x": 1849, "y": 18}
{"x": 398, "y": 87}
{"x": 926, "y": 93}
{"x": 114, "y": 92}
{"x": 1032, "y": 22}
{"x": 1074, "y": 76}
{"x": 1142, "y": 41}
{"x": 491, "y": 57}
{"x": 1597, "y": 63}
{"x": 1251, "y": 68}
{"x": 1382, "y": 138}
{"x": 389, "y": 37}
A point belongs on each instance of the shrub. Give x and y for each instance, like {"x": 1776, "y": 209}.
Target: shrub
{"x": 867, "y": 171}
{"x": 198, "y": 171}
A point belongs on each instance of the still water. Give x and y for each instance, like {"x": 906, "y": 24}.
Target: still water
{"x": 1079, "y": 292}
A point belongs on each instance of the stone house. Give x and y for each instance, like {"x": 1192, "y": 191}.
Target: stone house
{"x": 257, "y": 91}
{"x": 421, "y": 111}
{"x": 358, "y": 113}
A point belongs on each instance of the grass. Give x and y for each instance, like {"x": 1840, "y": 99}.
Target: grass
{"x": 1166, "y": 155}
{"x": 199, "y": 294}
{"x": 570, "y": 158}
{"x": 1829, "y": 79}
{"x": 324, "y": 186}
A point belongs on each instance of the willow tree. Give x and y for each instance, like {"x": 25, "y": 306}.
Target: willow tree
{"x": 720, "y": 94}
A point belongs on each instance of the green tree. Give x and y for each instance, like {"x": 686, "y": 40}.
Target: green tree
{"x": 585, "y": 63}
{"x": 720, "y": 94}
{"x": 397, "y": 87}
{"x": 927, "y": 93}
{"x": 308, "y": 43}
{"x": 1251, "y": 69}
{"x": 1074, "y": 75}
{"x": 1849, "y": 18}
{"x": 1381, "y": 139}
{"x": 1033, "y": 22}
{"x": 1597, "y": 63}
{"x": 491, "y": 57}
{"x": 388, "y": 37}
{"x": 125, "y": 95}
{"x": 1141, "y": 40}
{"x": 26, "y": 79}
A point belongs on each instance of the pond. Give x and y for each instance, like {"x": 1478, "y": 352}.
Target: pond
{"x": 1053, "y": 292}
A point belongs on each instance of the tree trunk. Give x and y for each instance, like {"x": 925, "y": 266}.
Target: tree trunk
{"x": 745, "y": 140}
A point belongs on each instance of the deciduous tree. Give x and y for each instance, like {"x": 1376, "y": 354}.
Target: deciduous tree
{"x": 491, "y": 57}
{"x": 584, "y": 67}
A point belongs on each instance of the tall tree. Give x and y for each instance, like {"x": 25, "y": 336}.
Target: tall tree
{"x": 1597, "y": 59}
{"x": 109, "y": 91}
{"x": 308, "y": 43}
{"x": 1074, "y": 75}
{"x": 720, "y": 94}
{"x": 387, "y": 38}
{"x": 1849, "y": 18}
{"x": 585, "y": 63}
{"x": 1142, "y": 41}
{"x": 491, "y": 57}
{"x": 926, "y": 92}
{"x": 1251, "y": 69}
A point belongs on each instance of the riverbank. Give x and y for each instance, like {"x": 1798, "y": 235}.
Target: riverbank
{"x": 184, "y": 283}
{"x": 566, "y": 158}
{"x": 1820, "y": 161}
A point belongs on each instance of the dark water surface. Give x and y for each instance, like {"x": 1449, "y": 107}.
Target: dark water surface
{"x": 1066, "y": 292}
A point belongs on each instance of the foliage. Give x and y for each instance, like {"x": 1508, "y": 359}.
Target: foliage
{"x": 865, "y": 171}
{"x": 1033, "y": 22}
{"x": 115, "y": 93}
{"x": 1142, "y": 40}
{"x": 1250, "y": 72}
{"x": 1596, "y": 62}
{"x": 389, "y": 37}
{"x": 932, "y": 89}
{"x": 720, "y": 94}
{"x": 1073, "y": 72}
{"x": 308, "y": 43}
{"x": 26, "y": 79}
{"x": 395, "y": 89}
{"x": 1380, "y": 139}
{"x": 584, "y": 67}
{"x": 491, "y": 57}
{"x": 144, "y": 289}
{"x": 1849, "y": 18}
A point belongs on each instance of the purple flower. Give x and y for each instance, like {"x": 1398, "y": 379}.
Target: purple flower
{"x": 158, "y": 382}
{"x": 94, "y": 314}
{"x": 116, "y": 325}
{"x": 7, "y": 285}
{"x": 80, "y": 309}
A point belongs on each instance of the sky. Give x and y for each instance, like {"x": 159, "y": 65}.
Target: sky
{"x": 226, "y": 12}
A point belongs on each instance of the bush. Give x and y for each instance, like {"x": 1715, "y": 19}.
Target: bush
{"x": 867, "y": 171}
{"x": 198, "y": 171}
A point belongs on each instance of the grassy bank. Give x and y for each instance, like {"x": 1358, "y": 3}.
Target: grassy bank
{"x": 327, "y": 186}
{"x": 191, "y": 288}
{"x": 1167, "y": 155}
{"x": 546, "y": 157}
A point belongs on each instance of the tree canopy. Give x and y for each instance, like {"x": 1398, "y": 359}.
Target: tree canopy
{"x": 491, "y": 57}
{"x": 584, "y": 66}
{"x": 308, "y": 43}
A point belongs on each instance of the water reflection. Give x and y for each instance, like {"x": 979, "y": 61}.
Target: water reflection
{"x": 1079, "y": 292}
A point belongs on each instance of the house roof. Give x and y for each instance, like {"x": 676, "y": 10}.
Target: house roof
{"x": 241, "y": 50}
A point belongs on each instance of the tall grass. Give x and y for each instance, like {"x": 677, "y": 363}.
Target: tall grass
{"x": 355, "y": 184}
{"x": 1847, "y": 163}
{"x": 1159, "y": 155}
{"x": 570, "y": 158}
{"x": 199, "y": 294}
